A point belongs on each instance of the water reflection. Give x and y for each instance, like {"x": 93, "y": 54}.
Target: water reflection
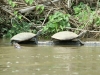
{"x": 49, "y": 60}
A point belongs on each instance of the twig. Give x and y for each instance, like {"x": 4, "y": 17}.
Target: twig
{"x": 82, "y": 30}
{"x": 26, "y": 18}
{"x": 12, "y": 21}
{"x": 46, "y": 16}
{"x": 6, "y": 10}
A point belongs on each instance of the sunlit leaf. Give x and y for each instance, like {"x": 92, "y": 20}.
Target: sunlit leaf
{"x": 13, "y": 4}
{"x": 31, "y": 2}
{"x": 26, "y": 1}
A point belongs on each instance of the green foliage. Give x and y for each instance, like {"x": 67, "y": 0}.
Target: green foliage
{"x": 29, "y": 1}
{"x": 98, "y": 21}
{"x": 17, "y": 28}
{"x": 40, "y": 8}
{"x": 81, "y": 7}
{"x": 83, "y": 14}
{"x": 19, "y": 16}
{"x": 86, "y": 16}
{"x": 15, "y": 12}
{"x": 57, "y": 22}
{"x": 11, "y": 3}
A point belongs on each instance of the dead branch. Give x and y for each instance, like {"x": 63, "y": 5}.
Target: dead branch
{"x": 46, "y": 17}
{"x": 26, "y": 9}
{"x": 8, "y": 11}
{"x": 83, "y": 30}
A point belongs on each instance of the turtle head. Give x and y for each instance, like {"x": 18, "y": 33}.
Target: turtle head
{"x": 15, "y": 44}
{"x": 39, "y": 32}
{"x": 82, "y": 33}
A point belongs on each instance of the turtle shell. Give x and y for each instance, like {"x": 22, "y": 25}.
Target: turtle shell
{"x": 64, "y": 35}
{"x": 23, "y": 36}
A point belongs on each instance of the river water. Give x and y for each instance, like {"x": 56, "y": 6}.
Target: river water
{"x": 49, "y": 60}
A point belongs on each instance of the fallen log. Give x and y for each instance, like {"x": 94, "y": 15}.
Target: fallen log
{"x": 70, "y": 43}
{"x": 67, "y": 43}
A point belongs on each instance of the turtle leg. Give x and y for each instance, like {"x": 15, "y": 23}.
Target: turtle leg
{"x": 36, "y": 40}
{"x": 81, "y": 43}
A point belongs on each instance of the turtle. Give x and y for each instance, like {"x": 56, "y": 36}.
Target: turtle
{"x": 24, "y": 36}
{"x": 68, "y": 36}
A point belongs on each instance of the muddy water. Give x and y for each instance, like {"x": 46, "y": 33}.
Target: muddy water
{"x": 49, "y": 60}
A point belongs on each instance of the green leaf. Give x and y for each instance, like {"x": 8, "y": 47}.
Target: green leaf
{"x": 19, "y": 16}
{"x": 15, "y": 12}
{"x": 13, "y": 4}
{"x": 40, "y": 8}
{"x": 68, "y": 25}
{"x": 10, "y": 2}
{"x": 26, "y": 1}
{"x": 31, "y": 2}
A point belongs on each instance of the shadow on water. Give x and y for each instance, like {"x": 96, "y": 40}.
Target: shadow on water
{"x": 49, "y": 60}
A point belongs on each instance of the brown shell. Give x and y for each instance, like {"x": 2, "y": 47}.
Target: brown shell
{"x": 64, "y": 35}
{"x": 23, "y": 36}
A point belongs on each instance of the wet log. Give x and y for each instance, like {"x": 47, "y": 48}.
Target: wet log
{"x": 63, "y": 43}
{"x": 70, "y": 43}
